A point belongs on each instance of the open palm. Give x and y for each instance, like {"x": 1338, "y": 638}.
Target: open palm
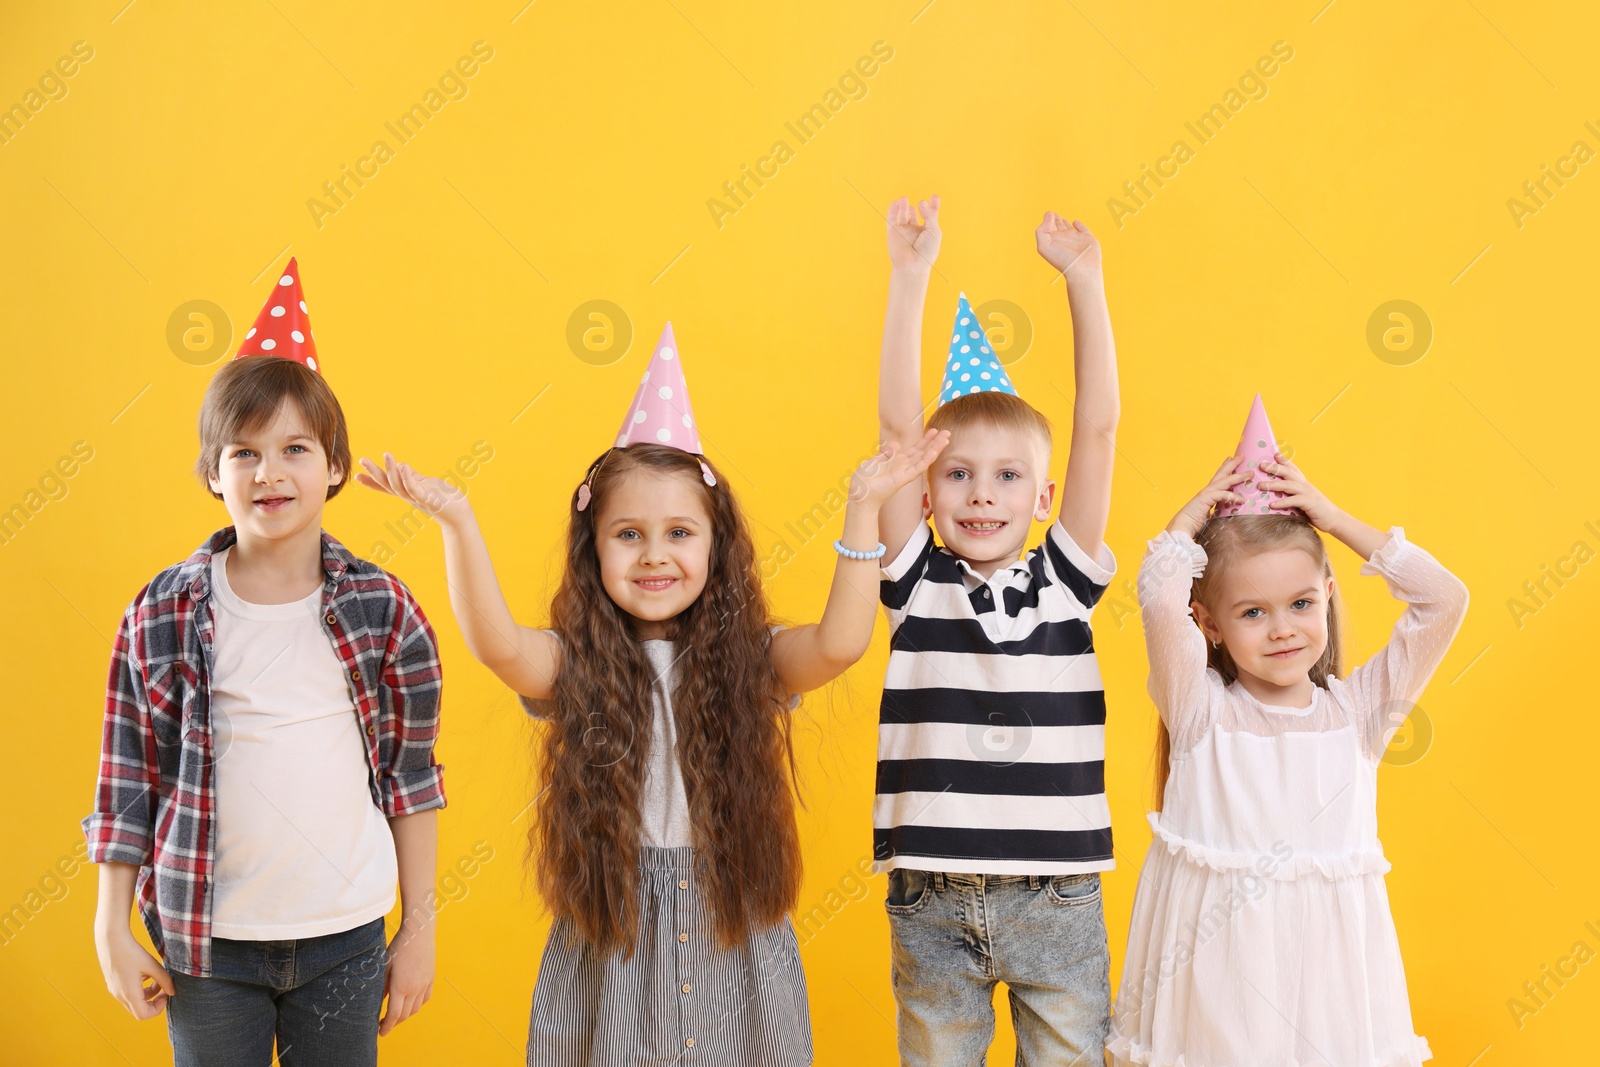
{"x": 435, "y": 496}
{"x": 883, "y": 474}
{"x": 1067, "y": 245}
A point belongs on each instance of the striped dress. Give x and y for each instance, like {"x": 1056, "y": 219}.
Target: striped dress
{"x": 680, "y": 999}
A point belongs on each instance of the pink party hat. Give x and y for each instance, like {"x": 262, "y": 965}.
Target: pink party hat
{"x": 1257, "y": 445}
{"x": 660, "y": 413}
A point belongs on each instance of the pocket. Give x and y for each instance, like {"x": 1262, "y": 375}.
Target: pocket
{"x": 909, "y": 892}
{"x": 168, "y": 691}
{"x": 1073, "y": 890}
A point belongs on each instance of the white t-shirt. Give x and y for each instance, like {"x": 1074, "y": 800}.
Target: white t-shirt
{"x": 302, "y": 850}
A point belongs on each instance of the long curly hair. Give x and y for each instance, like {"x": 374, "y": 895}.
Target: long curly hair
{"x": 1231, "y": 538}
{"x": 733, "y": 738}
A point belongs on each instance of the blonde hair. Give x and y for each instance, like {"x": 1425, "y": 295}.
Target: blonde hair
{"x": 995, "y": 410}
{"x": 1226, "y": 541}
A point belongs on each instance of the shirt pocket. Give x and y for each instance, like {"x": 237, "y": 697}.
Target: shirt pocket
{"x": 175, "y": 713}
{"x": 169, "y": 689}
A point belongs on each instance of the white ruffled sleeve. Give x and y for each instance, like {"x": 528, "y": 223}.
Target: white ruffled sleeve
{"x": 1176, "y": 647}
{"x": 1386, "y": 687}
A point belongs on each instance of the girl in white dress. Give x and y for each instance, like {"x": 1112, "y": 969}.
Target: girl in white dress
{"x": 1261, "y": 934}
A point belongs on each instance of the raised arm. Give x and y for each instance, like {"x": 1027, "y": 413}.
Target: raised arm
{"x": 913, "y": 247}
{"x": 1386, "y": 687}
{"x": 1175, "y": 645}
{"x": 524, "y": 658}
{"x": 810, "y": 656}
{"x": 1096, "y": 405}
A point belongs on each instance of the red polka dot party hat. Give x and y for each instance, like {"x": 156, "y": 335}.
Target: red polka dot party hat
{"x": 283, "y": 328}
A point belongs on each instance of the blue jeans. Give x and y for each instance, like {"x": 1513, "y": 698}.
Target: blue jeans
{"x": 955, "y": 935}
{"x": 317, "y": 996}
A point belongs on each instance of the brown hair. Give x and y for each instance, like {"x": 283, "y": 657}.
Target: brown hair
{"x": 1235, "y": 537}
{"x": 246, "y": 393}
{"x": 1001, "y": 410}
{"x": 734, "y": 744}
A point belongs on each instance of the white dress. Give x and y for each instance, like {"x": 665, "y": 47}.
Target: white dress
{"x": 1261, "y": 934}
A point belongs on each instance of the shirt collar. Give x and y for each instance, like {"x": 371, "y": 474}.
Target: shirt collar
{"x": 968, "y": 571}
{"x": 196, "y": 570}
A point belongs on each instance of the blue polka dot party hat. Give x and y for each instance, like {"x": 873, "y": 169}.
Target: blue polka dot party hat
{"x": 973, "y": 367}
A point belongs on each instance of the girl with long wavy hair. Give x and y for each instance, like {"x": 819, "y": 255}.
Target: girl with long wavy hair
{"x": 1261, "y": 932}
{"x": 665, "y": 841}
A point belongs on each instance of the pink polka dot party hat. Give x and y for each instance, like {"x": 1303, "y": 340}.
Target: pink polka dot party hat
{"x": 660, "y": 413}
{"x": 1255, "y": 446}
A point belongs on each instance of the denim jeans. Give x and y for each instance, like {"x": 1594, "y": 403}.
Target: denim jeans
{"x": 955, "y": 935}
{"x": 317, "y": 996}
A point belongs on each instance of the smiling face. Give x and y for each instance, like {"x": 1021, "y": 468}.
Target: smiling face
{"x": 653, "y": 536}
{"x": 274, "y": 477}
{"x": 1270, "y": 610}
{"x": 984, "y": 489}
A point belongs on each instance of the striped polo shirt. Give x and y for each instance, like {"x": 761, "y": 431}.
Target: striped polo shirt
{"x": 991, "y": 734}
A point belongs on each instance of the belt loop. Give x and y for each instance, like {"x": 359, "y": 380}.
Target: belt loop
{"x": 938, "y": 881}
{"x": 1034, "y": 882}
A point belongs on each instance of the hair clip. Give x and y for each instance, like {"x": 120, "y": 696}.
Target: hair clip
{"x": 584, "y": 495}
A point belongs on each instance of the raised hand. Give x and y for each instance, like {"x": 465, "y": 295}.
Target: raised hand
{"x": 881, "y": 475}
{"x": 913, "y": 243}
{"x": 435, "y": 496}
{"x": 1069, "y": 247}
{"x": 1192, "y": 516}
{"x": 1299, "y": 493}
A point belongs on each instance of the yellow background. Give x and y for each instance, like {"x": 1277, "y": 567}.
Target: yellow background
{"x": 178, "y": 166}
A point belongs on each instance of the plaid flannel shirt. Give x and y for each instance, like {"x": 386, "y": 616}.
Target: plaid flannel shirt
{"x": 155, "y": 801}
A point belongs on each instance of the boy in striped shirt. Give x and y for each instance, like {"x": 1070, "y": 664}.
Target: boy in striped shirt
{"x": 991, "y": 815}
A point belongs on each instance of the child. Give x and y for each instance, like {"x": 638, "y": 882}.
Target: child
{"x": 991, "y": 815}
{"x": 267, "y": 767}
{"x": 665, "y": 841}
{"x": 1261, "y": 932}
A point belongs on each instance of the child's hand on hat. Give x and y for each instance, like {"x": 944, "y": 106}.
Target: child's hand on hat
{"x": 435, "y": 496}
{"x": 1298, "y": 493}
{"x": 912, "y": 244}
{"x": 1193, "y": 515}
{"x": 881, "y": 475}
{"x": 1069, "y": 247}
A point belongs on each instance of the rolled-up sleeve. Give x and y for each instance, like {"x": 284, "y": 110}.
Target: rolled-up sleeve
{"x": 121, "y": 828}
{"x": 410, "y": 779}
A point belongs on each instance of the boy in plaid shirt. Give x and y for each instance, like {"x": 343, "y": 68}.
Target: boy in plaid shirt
{"x": 267, "y": 770}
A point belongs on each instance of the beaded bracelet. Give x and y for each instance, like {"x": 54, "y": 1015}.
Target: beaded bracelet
{"x": 850, "y": 553}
